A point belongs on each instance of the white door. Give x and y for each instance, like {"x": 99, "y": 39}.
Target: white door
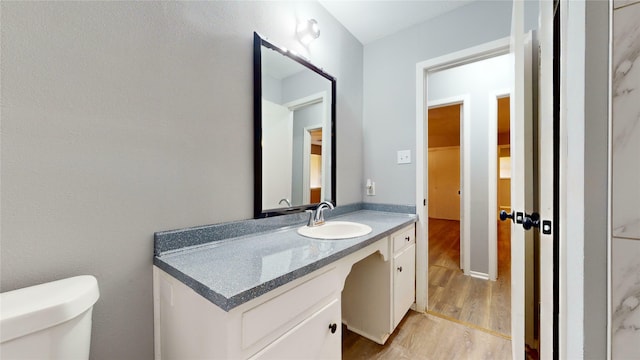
{"x": 545, "y": 176}
{"x": 532, "y": 188}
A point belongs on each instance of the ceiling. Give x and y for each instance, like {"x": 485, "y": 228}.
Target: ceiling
{"x": 371, "y": 20}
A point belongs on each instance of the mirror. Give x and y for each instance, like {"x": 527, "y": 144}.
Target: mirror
{"x": 294, "y": 141}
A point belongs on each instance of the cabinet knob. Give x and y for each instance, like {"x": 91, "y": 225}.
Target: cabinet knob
{"x": 407, "y": 238}
{"x": 333, "y": 327}
{"x": 400, "y": 268}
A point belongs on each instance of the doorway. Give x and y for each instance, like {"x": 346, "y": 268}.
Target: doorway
{"x": 474, "y": 290}
{"x": 313, "y": 165}
{"x": 444, "y": 175}
{"x": 472, "y": 301}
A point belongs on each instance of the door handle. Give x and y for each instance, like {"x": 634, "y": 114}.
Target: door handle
{"x": 531, "y": 220}
{"x": 528, "y": 221}
{"x": 505, "y": 215}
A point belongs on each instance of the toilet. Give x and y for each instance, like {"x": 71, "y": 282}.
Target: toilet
{"x": 48, "y": 321}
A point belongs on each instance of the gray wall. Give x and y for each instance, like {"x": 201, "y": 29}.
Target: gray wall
{"x": 120, "y": 119}
{"x": 478, "y": 80}
{"x": 304, "y": 84}
{"x": 271, "y": 89}
{"x": 390, "y": 83}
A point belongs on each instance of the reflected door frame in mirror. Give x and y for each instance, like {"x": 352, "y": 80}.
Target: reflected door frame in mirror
{"x": 260, "y": 44}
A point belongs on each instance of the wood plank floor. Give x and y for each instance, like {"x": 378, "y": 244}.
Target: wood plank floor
{"x": 482, "y": 303}
{"x": 467, "y": 318}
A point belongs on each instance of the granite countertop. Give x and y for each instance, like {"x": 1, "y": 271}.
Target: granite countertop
{"x": 233, "y": 271}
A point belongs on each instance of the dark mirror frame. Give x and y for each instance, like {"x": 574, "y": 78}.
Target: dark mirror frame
{"x": 259, "y": 212}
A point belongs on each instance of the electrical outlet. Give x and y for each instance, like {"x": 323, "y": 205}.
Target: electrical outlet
{"x": 404, "y": 157}
{"x": 371, "y": 190}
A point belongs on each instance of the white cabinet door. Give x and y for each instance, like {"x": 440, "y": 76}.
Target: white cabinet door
{"x": 318, "y": 337}
{"x": 404, "y": 282}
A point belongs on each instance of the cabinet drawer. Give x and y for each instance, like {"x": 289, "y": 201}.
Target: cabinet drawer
{"x": 311, "y": 339}
{"x": 403, "y": 238}
{"x": 275, "y": 317}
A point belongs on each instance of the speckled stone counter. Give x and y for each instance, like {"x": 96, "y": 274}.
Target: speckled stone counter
{"x": 229, "y": 272}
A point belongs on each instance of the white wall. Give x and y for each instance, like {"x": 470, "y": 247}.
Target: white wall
{"x": 120, "y": 119}
{"x": 584, "y": 179}
{"x": 389, "y": 86}
{"x": 478, "y": 80}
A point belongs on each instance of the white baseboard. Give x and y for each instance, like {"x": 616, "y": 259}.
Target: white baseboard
{"x": 479, "y": 275}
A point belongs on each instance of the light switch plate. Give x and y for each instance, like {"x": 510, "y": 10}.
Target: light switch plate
{"x": 404, "y": 157}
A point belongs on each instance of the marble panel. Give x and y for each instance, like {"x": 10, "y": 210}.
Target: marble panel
{"x": 619, "y": 3}
{"x": 626, "y": 122}
{"x": 625, "y": 320}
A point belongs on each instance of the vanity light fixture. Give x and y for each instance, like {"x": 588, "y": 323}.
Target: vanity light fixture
{"x": 308, "y": 31}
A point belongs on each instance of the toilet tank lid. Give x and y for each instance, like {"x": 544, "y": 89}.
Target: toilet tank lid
{"x": 27, "y": 310}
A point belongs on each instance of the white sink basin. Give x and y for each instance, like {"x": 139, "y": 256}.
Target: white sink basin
{"x": 333, "y": 230}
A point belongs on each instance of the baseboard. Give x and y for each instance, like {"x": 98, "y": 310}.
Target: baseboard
{"x": 377, "y": 339}
{"x": 479, "y": 275}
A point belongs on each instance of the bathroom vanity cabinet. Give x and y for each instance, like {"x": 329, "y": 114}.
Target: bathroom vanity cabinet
{"x": 277, "y": 325}
{"x": 404, "y": 272}
{"x": 376, "y": 297}
{"x": 300, "y": 319}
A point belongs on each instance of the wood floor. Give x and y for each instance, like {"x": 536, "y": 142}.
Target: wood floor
{"x": 482, "y": 303}
{"x": 467, "y": 318}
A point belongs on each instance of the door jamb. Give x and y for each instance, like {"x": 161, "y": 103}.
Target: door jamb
{"x": 423, "y": 68}
{"x": 465, "y": 169}
{"x": 306, "y": 162}
{"x": 493, "y": 180}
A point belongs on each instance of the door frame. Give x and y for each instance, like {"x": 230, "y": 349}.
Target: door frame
{"x": 306, "y": 162}
{"x": 465, "y": 168}
{"x": 493, "y": 180}
{"x": 423, "y": 68}
{"x": 319, "y": 97}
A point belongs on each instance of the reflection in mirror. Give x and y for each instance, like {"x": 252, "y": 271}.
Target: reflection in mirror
{"x": 295, "y": 132}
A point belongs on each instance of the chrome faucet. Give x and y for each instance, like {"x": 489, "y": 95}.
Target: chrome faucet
{"x": 316, "y": 218}
{"x": 286, "y": 201}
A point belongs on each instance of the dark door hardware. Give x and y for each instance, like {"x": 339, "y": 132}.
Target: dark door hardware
{"x": 333, "y": 327}
{"x": 528, "y": 221}
{"x": 531, "y": 220}
{"x": 505, "y": 215}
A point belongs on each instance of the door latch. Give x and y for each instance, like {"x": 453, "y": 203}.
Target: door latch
{"x": 528, "y": 221}
{"x": 533, "y": 220}
{"x": 546, "y": 227}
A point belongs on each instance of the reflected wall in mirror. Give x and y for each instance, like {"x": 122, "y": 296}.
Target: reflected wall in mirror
{"x": 294, "y": 142}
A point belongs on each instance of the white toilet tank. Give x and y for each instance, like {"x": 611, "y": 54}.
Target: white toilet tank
{"x": 48, "y": 321}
